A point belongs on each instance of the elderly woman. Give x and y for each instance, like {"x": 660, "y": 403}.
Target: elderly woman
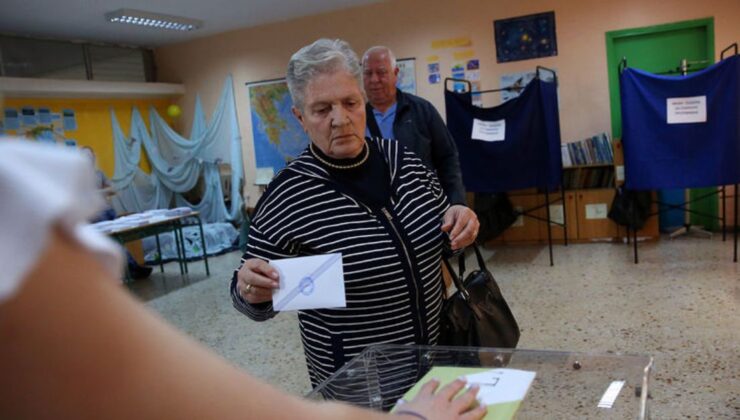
{"x": 370, "y": 200}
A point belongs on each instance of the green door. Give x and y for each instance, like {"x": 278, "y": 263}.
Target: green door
{"x": 660, "y": 49}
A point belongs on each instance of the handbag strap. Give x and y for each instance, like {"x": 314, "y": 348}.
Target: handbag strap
{"x": 461, "y": 264}
{"x": 457, "y": 279}
{"x": 479, "y": 257}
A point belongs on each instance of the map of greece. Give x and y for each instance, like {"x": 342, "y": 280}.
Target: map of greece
{"x": 277, "y": 134}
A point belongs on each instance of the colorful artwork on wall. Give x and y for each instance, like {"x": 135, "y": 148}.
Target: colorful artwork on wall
{"x": 525, "y": 37}
{"x": 12, "y": 120}
{"x": 33, "y": 122}
{"x": 407, "y": 75}
{"x": 518, "y": 81}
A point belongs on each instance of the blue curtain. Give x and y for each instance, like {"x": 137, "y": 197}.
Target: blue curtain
{"x": 528, "y": 156}
{"x": 687, "y": 154}
{"x": 178, "y": 162}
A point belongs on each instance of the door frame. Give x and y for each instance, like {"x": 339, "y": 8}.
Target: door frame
{"x": 612, "y": 62}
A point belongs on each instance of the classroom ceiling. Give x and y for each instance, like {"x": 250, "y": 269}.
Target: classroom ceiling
{"x": 83, "y": 20}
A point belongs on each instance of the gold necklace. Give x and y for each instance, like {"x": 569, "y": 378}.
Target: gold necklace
{"x": 334, "y": 165}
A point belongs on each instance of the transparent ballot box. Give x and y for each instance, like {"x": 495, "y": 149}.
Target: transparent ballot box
{"x": 565, "y": 384}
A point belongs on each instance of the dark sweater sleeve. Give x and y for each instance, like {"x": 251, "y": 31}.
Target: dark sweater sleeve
{"x": 445, "y": 159}
{"x": 443, "y": 205}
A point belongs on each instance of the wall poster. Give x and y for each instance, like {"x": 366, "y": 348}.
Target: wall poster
{"x": 406, "y": 75}
{"x": 277, "y": 135}
{"x": 525, "y": 37}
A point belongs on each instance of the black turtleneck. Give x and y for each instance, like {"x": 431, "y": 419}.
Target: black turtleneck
{"x": 369, "y": 182}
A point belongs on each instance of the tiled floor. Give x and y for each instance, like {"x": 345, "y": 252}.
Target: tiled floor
{"x": 160, "y": 283}
{"x": 681, "y": 305}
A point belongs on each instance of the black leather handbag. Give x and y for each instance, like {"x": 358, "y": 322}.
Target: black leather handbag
{"x": 476, "y": 314}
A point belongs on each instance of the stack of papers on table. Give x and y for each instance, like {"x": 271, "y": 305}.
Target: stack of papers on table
{"x": 139, "y": 219}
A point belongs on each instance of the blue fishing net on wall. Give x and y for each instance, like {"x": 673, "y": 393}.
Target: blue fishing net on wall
{"x": 178, "y": 163}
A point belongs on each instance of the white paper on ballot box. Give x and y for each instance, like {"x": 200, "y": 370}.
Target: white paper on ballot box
{"x": 315, "y": 282}
{"x": 501, "y": 385}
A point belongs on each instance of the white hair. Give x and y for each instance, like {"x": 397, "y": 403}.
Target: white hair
{"x": 380, "y": 49}
{"x": 321, "y": 57}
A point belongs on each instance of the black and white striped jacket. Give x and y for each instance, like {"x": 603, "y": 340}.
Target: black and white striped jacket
{"x": 391, "y": 256}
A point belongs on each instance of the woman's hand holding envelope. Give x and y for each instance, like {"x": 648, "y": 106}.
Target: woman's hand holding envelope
{"x": 255, "y": 281}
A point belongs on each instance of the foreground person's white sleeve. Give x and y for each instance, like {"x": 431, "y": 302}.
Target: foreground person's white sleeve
{"x": 42, "y": 186}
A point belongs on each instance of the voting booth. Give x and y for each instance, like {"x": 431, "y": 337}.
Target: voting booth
{"x": 554, "y": 384}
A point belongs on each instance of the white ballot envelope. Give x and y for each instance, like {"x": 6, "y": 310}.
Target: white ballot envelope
{"x": 315, "y": 282}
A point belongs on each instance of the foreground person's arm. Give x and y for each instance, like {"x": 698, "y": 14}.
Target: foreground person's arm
{"x": 73, "y": 344}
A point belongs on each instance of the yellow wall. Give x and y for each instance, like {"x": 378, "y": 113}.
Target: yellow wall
{"x": 410, "y": 26}
{"x": 94, "y": 127}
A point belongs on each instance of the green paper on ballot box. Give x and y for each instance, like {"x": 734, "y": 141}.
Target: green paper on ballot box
{"x": 501, "y": 390}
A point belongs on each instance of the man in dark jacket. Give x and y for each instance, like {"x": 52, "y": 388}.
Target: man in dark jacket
{"x": 411, "y": 120}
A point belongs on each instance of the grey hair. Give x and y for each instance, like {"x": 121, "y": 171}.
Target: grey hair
{"x": 380, "y": 49}
{"x": 324, "y": 56}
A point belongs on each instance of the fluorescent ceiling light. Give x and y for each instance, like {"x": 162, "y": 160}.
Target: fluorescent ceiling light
{"x": 153, "y": 20}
